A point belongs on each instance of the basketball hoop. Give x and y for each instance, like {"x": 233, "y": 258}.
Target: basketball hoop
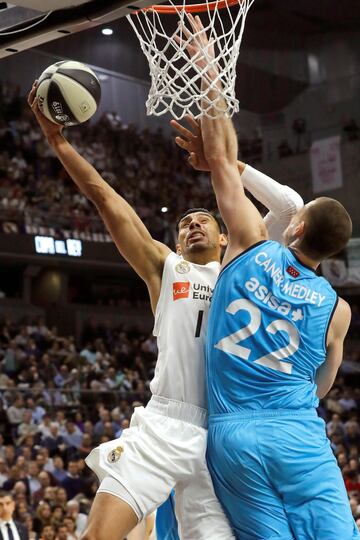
{"x": 175, "y": 79}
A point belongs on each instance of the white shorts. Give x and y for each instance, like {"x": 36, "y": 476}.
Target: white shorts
{"x": 164, "y": 448}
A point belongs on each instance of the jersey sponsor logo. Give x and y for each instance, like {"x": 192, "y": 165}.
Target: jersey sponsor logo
{"x": 292, "y": 271}
{"x": 294, "y": 290}
{"x": 182, "y": 267}
{"x": 266, "y": 297}
{"x": 115, "y": 454}
{"x": 199, "y": 291}
{"x": 181, "y": 289}
{"x": 202, "y": 292}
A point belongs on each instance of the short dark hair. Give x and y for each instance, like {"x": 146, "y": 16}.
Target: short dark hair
{"x": 4, "y": 493}
{"x": 328, "y": 228}
{"x": 203, "y": 211}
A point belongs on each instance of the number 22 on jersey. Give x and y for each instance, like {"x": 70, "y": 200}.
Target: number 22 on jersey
{"x": 273, "y": 360}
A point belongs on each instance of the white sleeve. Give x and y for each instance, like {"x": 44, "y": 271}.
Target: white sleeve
{"x": 282, "y": 201}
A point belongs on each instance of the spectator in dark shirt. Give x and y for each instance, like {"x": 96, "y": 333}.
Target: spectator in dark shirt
{"x": 44, "y": 479}
{"x": 58, "y": 472}
{"x": 73, "y": 483}
{"x": 54, "y": 442}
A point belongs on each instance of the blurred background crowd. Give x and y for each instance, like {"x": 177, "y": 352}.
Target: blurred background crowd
{"x": 58, "y": 401}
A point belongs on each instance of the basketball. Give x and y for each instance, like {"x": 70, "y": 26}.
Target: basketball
{"x": 68, "y": 93}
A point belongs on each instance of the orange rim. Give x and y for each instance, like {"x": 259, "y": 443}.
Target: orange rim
{"x": 194, "y": 8}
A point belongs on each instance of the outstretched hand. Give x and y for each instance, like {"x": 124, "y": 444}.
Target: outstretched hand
{"x": 191, "y": 141}
{"x": 198, "y": 46}
{"x": 50, "y": 129}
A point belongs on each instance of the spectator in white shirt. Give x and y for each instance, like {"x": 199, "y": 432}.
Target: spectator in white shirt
{"x": 73, "y": 510}
{"x": 15, "y": 411}
{"x": 27, "y": 427}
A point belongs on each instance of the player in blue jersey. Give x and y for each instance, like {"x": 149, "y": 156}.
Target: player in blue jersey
{"x": 274, "y": 345}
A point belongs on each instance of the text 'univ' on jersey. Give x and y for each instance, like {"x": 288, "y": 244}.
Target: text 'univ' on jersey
{"x": 267, "y": 332}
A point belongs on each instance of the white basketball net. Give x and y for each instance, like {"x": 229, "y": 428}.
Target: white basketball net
{"x": 175, "y": 79}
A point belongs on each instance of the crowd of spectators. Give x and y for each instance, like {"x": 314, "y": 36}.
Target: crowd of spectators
{"x": 58, "y": 401}
{"x": 37, "y": 197}
{"x": 148, "y": 169}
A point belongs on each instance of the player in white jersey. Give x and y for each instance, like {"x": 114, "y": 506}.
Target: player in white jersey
{"x": 164, "y": 448}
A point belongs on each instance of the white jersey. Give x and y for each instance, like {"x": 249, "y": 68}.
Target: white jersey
{"x": 180, "y": 327}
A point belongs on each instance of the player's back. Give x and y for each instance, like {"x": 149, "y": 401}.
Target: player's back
{"x": 267, "y": 332}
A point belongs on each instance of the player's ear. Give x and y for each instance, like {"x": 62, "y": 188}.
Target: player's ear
{"x": 300, "y": 229}
{"x": 223, "y": 240}
{"x": 178, "y": 249}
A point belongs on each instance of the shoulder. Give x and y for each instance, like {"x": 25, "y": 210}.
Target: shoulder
{"x": 163, "y": 249}
{"x": 232, "y": 257}
{"x": 342, "y": 311}
{"x": 341, "y": 319}
{"x": 20, "y": 527}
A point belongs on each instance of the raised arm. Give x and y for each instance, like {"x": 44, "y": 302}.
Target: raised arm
{"x": 130, "y": 235}
{"x": 326, "y": 374}
{"x": 243, "y": 221}
{"x": 282, "y": 201}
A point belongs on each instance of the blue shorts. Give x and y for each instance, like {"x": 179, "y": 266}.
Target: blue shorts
{"x": 277, "y": 478}
{"x": 166, "y": 522}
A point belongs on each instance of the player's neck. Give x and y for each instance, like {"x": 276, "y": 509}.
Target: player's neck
{"x": 202, "y": 258}
{"x": 303, "y": 258}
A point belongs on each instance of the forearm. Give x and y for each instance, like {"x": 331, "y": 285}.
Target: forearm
{"x": 281, "y": 200}
{"x": 219, "y": 141}
{"x": 325, "y": 377}
{"x": 324, "y": 383}
{"x": 85, "y": 176}
{"x": 233, "y": 204}
{"x": 219, "y": 137}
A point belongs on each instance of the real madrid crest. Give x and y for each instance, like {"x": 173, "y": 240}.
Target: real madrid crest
{"x": 182, "y": 267}
{"x": 115, "y": 455}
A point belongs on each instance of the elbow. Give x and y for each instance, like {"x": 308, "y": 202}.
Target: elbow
{"x": 321, "y": 393}
{"x": 292, "y": 203}
{"x": 297, "y": 201}
{"x": 99, "y": 195}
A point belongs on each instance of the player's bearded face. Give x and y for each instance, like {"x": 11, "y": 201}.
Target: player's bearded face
{"x": 198, "y": 232}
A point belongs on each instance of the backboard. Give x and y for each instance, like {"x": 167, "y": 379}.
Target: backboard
{"x": 25, "y": 24}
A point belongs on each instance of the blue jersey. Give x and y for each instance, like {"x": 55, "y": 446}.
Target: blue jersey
{"x": 166, "y": 522}
{"x": 267, "y": 332}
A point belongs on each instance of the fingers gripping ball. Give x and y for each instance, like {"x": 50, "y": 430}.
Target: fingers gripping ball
{"x": 68, "y": 93}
